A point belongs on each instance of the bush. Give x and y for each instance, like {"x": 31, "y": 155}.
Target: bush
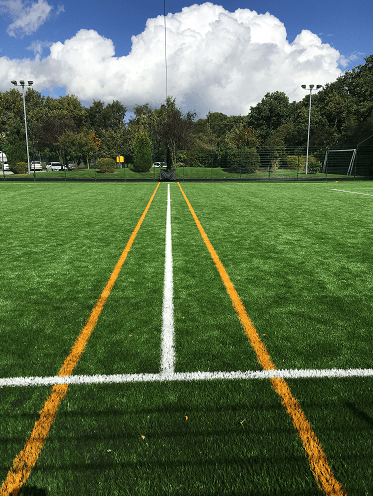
{"x": 20, "y": 168}
{"x": 313, "y": 165}
{"x": 275, "y": 164}
{"x": 142, "y": 155}
{"x": 106, "y": 165}
{"x": 246, "y": 158}
{"x": 198, "y": 158}
{"x": 292, "y": 161}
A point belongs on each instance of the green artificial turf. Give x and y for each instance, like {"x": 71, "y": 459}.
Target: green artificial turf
{"x": 198, "y": 438}
{"x": 300, "y": 258}
{"x": 62, "y": 243}
{"x": 182, "y": 173}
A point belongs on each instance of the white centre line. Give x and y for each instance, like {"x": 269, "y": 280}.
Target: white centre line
{"x": 186, "y": 376}
{"x": 168, "y": 352}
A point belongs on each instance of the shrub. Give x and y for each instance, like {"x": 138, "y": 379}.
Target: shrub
{"x": 275, "y": 164}
{"x": 198, "y": 158}
{"x": 106, "y": 165}
{"x": 313, "y": 165}
{"x": 20, "y": 168}
{"x": 292, "y": 161}
{"x": 142, "y": 155}
{"x": 247, "y": 158}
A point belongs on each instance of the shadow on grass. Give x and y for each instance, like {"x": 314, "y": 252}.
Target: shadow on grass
{"x": 237, "y": 170}
{"x": 33, "y": 491}
{"x": 359, "y": 413}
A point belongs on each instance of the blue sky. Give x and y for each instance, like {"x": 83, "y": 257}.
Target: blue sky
{"x": 219, "y": 58}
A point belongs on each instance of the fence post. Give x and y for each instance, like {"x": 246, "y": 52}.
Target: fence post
{"x": 241, "y": 164}
{"x": 298, "y": 165}
{"x": 124, "y": 164}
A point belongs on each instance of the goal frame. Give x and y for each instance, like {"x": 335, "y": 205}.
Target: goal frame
{"x": 352, "y": 160}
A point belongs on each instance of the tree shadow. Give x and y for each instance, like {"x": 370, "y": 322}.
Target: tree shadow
{"x": 32, "y": 491}
{"x": 359, "y": 413}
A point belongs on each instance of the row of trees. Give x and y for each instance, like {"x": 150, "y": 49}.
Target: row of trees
{"x": 342, "y": 116}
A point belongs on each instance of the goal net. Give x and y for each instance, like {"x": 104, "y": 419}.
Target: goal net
{"x": 339, "y": 161}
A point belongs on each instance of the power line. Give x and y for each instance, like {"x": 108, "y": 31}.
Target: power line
{"x": 165, "y": 41}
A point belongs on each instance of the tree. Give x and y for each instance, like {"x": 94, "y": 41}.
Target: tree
{"x": 142, "y": 154}
{"x": 113, "y": 143}
{"x": 242, "y": 136}
{"x": 269, "y": 114}
{"x": 76, "y": 146}
{"x": 101, "y": 118}
{"x": 68, "y": 107}
{"x": 201, "y": 151}
{"x": 50, "y": 130}
{"x": 12, "y": 127}
{"x": 173, "y": 128}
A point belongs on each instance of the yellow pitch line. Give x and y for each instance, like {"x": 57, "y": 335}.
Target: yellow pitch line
{"x": 27, "y": 458}
{"x": 317, "y": 459}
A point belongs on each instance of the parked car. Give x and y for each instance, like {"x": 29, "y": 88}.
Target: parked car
{"x": 70, "y": 166}
{"x": 159, "y": 164}
{"x": 36, "y": 166}
{"x": 55, "y": 166}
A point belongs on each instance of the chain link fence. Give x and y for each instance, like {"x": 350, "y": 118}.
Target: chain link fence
{"x": 241, "y": 164}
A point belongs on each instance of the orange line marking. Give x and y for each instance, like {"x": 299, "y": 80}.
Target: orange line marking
{"x": 320, "y": 467}
{"x": 27, "y": 458}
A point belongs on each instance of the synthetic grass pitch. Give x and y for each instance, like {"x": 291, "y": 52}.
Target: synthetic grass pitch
{"x": 285, "y": 247}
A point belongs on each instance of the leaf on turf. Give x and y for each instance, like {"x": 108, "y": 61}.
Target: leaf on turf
{"x": 142, "y": 436}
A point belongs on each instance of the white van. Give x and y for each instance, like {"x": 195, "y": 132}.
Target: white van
{"x": 3, "y": 161}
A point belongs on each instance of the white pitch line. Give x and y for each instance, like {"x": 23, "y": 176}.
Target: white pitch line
{"x": 168, "y": 352}
{"x": 186, "y": 377}
{"x": 352, "y": 192}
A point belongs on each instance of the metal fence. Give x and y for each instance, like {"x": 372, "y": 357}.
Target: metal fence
{"x": 241, "y": 164}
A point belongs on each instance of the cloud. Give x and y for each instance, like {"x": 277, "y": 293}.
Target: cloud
{"x": 345, "y": 61}
{"x": 217, "y": 60}
{"x": 38, "y": 46}
{"x": 27, "y": 16}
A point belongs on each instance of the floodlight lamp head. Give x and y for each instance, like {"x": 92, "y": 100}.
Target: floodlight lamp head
{"x": 14, "y": 82}
{"x": 22, "y": 83}
{"x": 304, "y": 86}
{"x": 311, "y": 86}
{"x": 30, "y": 83}
{"x": 318, "y": 86}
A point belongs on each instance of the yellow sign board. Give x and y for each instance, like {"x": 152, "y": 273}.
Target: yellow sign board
{"x": 120, "y": 159}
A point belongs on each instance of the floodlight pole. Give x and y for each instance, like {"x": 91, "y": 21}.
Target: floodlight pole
{"x": 23, "y": 84}
{"x": 311, "y": 86}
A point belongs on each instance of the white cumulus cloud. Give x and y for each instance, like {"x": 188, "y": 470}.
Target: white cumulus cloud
{"x": 217, "y": 60}
{"x": 27, "y": 16}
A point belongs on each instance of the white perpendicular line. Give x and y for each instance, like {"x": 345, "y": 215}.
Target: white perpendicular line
{"x": 168, "y": 352}
{"x": 186, "y": 377}
{"x": 352, "y": 192}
